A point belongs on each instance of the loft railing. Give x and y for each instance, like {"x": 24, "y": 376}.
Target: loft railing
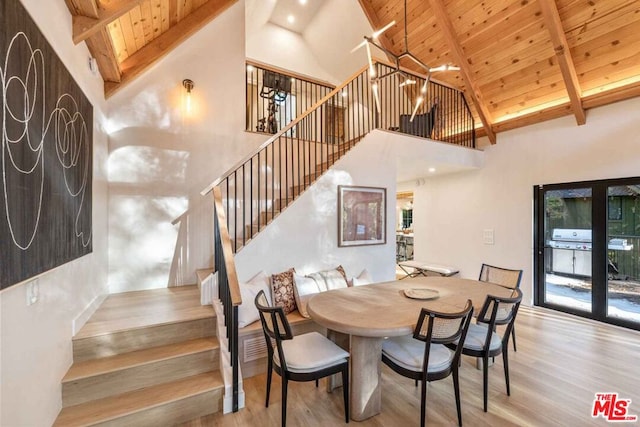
{"x": 275, "y": 97}
{"x": 443, "y": 114}
{"x": 228, "y": 289}
{"x": 259, "y": 187}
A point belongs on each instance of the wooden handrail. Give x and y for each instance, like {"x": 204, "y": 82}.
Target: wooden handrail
{"x": 284, "y": 130}
{"x": 298, "y": 119}
{"x": 227, "y": 252}
{"x": 289, "y": 73}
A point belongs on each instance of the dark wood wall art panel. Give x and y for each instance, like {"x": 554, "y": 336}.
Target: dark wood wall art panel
{"x": 47, "y": 154}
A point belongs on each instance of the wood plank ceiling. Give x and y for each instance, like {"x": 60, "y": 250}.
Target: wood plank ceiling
{"x": 522, "y": 61}
{"x": 128, "y": 36}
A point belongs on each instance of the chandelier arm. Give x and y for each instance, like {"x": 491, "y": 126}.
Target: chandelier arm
{"x": 417, "y": 61}
{"x": 388, "y": 52}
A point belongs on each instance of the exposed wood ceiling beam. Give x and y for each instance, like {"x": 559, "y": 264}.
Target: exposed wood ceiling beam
{"x": 590, "y": 101}
{"x": 548, "y": 113}
{"x": 565, "y": 61}
{"x": 384, "y": 41}
{"x": 101, "y": 47}
{"x": 612, "y": 95}
{"x": 136, "y": 64}
{"x": 448, "y": 32}
{"x": 85, "y": 25}
{"x": 99, "y": 44}
{"x": 83, "y": 7}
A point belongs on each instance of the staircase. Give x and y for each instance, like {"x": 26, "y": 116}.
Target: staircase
{"x": 145, "y": 358}
{"x": 266, "y": 215}
{"x": 262, "y": 185}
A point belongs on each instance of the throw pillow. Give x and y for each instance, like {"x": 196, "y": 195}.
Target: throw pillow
{"x": 330, "y": 279}
{"x": 283, "y": 294}
{"x": 364, "y": 278}
{"x": 304, "y": 289}
{"x": 247, "y": 311}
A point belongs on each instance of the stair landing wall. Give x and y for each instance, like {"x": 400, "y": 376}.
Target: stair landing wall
{"x": 305, "y": 234}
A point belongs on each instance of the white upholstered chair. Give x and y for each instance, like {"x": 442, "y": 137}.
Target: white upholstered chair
{"x": 424, "y": 356}
{"x": 305, "y": 357}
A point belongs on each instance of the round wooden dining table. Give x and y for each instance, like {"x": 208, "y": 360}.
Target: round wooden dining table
{"x": 370, "y": 313}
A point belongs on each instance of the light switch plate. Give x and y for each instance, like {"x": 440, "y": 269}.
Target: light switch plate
{"x": 488, "y": 236}
{"x": 33, "y": 292}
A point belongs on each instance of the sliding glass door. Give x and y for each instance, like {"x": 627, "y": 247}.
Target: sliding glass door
{"x": 623, "y": 249}
{"x": 587, "y": 250}
{"x": 567, "y": 248}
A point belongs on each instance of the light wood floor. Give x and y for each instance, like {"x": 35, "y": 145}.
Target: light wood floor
{"x": 561, "y": 362}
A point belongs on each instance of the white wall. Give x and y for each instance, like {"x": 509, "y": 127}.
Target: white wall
{"x": 322, "y": 51}
{"x": 274, "y": 45}
{"x": 348, "y": 25}
{"x": 451, "y": 212}
{"x": 35, "y": 341}
{"x": 305, "y": 235}
{"x": 160, "y": 158}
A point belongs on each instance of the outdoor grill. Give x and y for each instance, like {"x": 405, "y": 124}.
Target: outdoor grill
{"x": 571, "y": 251}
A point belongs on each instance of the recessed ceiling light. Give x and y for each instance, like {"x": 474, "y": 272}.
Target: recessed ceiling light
{"x": 432, "y": 170}
{"x": 303, "y": 2}
{"x": 291, "y": 19}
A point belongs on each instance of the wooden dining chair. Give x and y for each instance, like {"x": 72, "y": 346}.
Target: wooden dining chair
{"x": 424, "y": 356}
{"x": 503, "y": 277}
{"x": 306, "y": 357}
{"x": 483, "y": 341}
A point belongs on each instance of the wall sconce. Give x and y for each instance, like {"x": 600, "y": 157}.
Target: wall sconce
{"x": 188, "y": 85}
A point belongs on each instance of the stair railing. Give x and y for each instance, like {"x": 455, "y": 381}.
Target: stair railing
{"x": 263, "y": 184}
{"x": 228, "y": 289}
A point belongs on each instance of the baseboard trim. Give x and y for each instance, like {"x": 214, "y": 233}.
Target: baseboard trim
{"x": 88, "y": 311}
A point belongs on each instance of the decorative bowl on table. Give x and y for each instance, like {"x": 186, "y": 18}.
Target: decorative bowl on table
{"x": 421, "y": 293}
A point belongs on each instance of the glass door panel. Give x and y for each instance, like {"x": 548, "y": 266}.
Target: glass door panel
{"x": 623, "y": 252}
{"x": 567, "y": 248}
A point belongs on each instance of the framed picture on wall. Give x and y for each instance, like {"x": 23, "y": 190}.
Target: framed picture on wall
{"x": 362, "y": 218}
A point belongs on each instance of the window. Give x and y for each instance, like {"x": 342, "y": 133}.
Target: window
{"x": 615, "y": 208}
{"x": 407, "y": 218}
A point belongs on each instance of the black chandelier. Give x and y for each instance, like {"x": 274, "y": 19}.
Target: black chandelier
{"x": 406, "y": 78}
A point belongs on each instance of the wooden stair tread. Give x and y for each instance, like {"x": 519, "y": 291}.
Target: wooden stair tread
{"x": 145, "y": 294}
{"x": 128, "y": 324}
{"x": 130, "y": 303}
{"x": 109, "y": 408}
{"x": 105, "y": 365}
{"x": 140, "y": 309}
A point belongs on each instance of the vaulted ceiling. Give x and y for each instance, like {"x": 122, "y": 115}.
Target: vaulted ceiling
{"x": 522, "y": 61}
{"x": 128, "y": 36}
